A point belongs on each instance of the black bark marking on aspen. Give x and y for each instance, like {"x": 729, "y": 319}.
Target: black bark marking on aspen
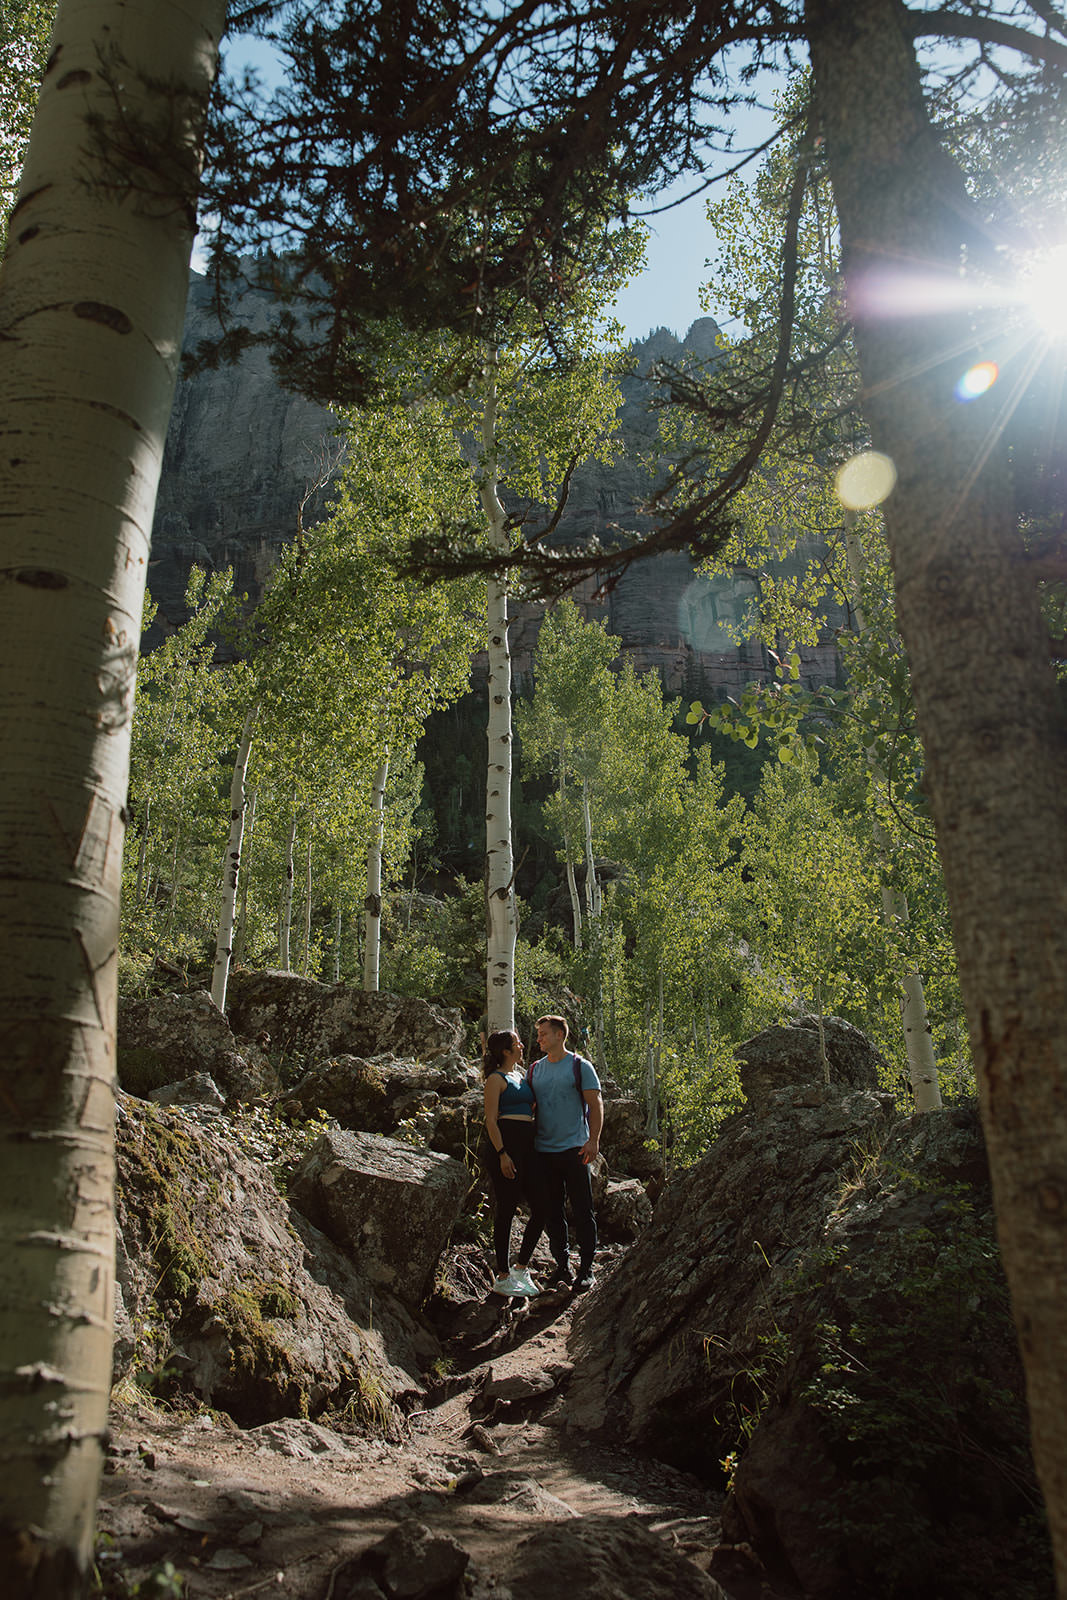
{"x": 75, "y": 76}
{"x": 25, "y": 201}
{"x": 373, "y": 904}
{"x": 35, "y": 578}
{"x": 27, "y": 234}
{"x": 116, "y": 411}
{"x": 53, "y": 60}
{"x": 108, "y": 316}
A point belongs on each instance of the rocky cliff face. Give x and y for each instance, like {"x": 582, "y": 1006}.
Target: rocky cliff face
{"x": 241, "y": 453}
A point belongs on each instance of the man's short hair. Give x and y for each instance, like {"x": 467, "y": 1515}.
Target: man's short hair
{"x": 556, "y": 1022}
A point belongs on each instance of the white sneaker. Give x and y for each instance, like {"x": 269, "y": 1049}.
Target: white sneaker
{"x": 514, "y": 1282}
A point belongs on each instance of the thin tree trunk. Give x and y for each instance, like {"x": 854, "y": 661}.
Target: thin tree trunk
{"x": 572, "y": 885}
{"x": 305, "y": 940}
{"x": 372, "y": 905}
{"x": 501, "y": 916}
{"x": 92, "y": 300}
{"x": 918, "y": 1037}
{"x": 592, "y": 888}
{"x": 242, "y": 916}
{"x": 220, "y": 976}
{"x": 337, "y": 945}
{"x": 285, "y": 910}
{"x": 985, "y": 695}
{"x": 142, "y": 853}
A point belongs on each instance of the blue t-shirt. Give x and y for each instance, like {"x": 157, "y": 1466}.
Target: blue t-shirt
{"x": 560, "y": 1108}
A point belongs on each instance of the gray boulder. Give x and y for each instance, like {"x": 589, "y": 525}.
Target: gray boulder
{"x": 657, "y": 1350}
{"x": 387, "y": 1205}
{"x": 198, "y": 1090}
{"x": 601, "y": 1558}
{"x": 623, "y": 1139}
{"x": 224, "y": 1294}
{"x": 307, "y": 1021}
{"x": 821, "y": 1287}
{"x": 172, "y": 1037}
{"x": 376, "y": 1096}
{"x": 785, "y": 1055}
{"x": 624, "y": 1211}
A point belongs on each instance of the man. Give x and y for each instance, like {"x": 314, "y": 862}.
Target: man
{"x": 570, "y": 1115}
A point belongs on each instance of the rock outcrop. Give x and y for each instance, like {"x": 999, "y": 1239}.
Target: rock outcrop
{"x": 171, "y": 1038}
{"x": 376, "y": 1096}
{"x": 387, "y": 1205}
{"x": 308, "y": 1021}
{"x": 792, "y": 1054}
{"x": 817, "y": 1310}
{"x": 241, "y": 453}
{"x": 226, "y": 1294}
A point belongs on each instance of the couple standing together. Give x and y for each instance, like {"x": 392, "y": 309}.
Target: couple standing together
{"x": 544, "y": 1131}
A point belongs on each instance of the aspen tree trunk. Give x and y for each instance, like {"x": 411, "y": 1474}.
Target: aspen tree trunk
{"x": 501, "y": 918}
{"x": 305, "y": 942}
{"x": 285, "y": 910}
{"x": 337, "y": 946}
{"x": 372, "y": 905}
{"x": 572, "y": 885}
{"x": 139, "y": 891}
{"x": 220, "y": 975}
{"x": 985, "y": 696}
{"x": 242, "y": 915}
{"x": 918, "y": 1038}
{"x": 592, "y": 888}
{"x": 92, "y": 299}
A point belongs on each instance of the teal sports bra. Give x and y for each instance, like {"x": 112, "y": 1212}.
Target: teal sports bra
{"x": 516, "y": 1097}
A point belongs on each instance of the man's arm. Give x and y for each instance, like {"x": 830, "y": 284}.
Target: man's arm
{"x": 595, "y": 1101}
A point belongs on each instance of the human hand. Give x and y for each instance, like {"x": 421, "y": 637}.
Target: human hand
{"x": 590, "y": 1151}
{"x": 507, "y": 1166}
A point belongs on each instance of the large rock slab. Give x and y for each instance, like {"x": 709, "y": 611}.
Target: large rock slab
{"x": 781, "y": 1056}
{"x": 377, "y": 1096}
{"x": 624, "y": 1136}
{"x": 818, "y": 1304}
{"x": 387, "y": 1205}
{"x": 307, "y": 1021}
{"x": 227, "y": 1295}
{"x": 602, "y": 1558}
{"x": 171, "y": 1037}
{"x": 658, "y": 1348}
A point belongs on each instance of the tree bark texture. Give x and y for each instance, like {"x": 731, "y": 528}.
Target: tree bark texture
{"x": 572, "y": 882}
{"x": 501, "y": 916}
{"x": 220, "y": 975}
{"x": 996, "y": 755}
{"x": 372, "y": 939}
{"x": 285, "y": 909}
{"x": 92, "y": 299}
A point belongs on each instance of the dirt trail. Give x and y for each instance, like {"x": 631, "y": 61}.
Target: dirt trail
{"x": 280, "y": 1509}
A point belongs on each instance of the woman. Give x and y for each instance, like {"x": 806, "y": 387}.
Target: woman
{"x": 509, "y": 1126}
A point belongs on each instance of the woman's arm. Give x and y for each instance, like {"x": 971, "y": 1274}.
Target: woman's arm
{"x": 494, "y": 1084}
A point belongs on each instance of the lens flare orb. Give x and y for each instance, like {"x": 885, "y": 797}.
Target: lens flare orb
{"x": 976, "y": 380}
{"x": 865, "y": 481}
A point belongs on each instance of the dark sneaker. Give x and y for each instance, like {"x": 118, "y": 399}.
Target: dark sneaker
{"x": 586, "y": 1280}
{"x": 561, "y": 1278}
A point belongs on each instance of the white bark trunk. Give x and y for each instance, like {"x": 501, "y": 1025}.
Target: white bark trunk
{"x": 92, "y": 300}
{"x": 337, "y": 946}
{"x": 918, "y": 1037}
{"x": 592, "y": 887}
{"x": 242, "y": 915}
{"x": 501, "y": 919}
{"x": 220, "y": 976}
{"x": 305, "y": 940}
{"x": 372, "y": 921}
{"x": 140, "y": 891}
{"x": 285, "y": 910}
{"x": 572, "y": 884}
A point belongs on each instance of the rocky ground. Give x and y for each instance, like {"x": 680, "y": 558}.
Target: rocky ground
{"x": 508, "y": 1500}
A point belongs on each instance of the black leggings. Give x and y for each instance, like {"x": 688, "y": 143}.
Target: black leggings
{"x": 518, "y": 1140}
